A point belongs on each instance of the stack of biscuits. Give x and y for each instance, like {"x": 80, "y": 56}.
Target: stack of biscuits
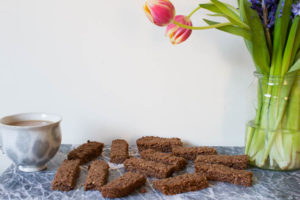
{"x": 159, "y": 158}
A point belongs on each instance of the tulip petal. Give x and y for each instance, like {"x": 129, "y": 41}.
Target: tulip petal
{"x": 177, "y": 34}
{"x": 148, "y": 12}
{"x": 159, "y": 12}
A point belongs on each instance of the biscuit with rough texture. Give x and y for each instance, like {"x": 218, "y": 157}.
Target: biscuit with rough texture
{"x": 190, "y": 153}
{"x": 223, "y": 173}
{"x": 119, "y": 151}
{"x": 181, "y": 184}
{"x": 157, "y": 143}
{"x": 66, "y": 175}
{"x": 236, "y": 161}
{"x": 97, "y": 175}
{"x": 86, "y": 152}
{"x": 165, "y": 158}
{"x": 149, "y": 168}
{"x": 124, "y": 185}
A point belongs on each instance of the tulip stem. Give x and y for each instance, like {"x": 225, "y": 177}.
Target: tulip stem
{"x": 195, "y": 10}
{"x": 201, "y": 27}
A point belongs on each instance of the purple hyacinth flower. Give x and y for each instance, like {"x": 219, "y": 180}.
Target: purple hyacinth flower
{"x": 256, "y": 5}
{"x": 272, "y": 16}
{"x": 296, "y": 9}
{"x": 270, "y": 2}
{"x": 280, "y": 11}
{"x": 271, "y": 9}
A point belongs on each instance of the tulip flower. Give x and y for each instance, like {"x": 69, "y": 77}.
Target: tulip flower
{"x": 178, "y": 34}
{"x": 159, "y": 12}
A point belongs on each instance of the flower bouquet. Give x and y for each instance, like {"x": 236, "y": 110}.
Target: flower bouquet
{"x": 271, "y": 32}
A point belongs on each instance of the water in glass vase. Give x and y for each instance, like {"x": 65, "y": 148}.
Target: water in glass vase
{"x": 273, "y": 135}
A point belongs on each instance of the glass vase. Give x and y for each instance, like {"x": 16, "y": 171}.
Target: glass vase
{"x": 273, "y": 132}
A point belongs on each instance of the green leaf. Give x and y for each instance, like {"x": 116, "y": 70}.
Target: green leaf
{"x": 231, "y": 29}
{"x": 202, "y": 27}
{"x": 248, "y": 43}
{"x": 258, "y": 46}
{"x": 217, "y": 15}
{"x": 282, "y": 22}
{"x": 227, "y": 10}
{"x": 295, "y": 66}
{"x": 234, "y": 9}
{"x": 242, "y": 11}
{"x": 297, "y": 40}
{"x": 291, "y": 46}
{"x": 223, "y": 15}
{"x": 211, "y": 7}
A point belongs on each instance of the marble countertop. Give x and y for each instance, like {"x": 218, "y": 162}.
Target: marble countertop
{"x": 5, "y": 162}
{"x": 15, "y": 184}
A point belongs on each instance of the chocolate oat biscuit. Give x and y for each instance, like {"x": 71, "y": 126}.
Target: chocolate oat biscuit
{"x": 124, "y": 185}
{"x": 119, "y": 151}
{"x": 66, "y": 175}
{"x": 236, "y": 161}
{"x": 190, "y": 153}
{"x": 149, "y": 168}
{"x": 181, "y": 184}
{"x": 97, "y": 175}
{"x": 223, "y": 173}
{"x": 157, "y": 143}
{"x": 86, "y": 152}
{"x": 165, "y": 158}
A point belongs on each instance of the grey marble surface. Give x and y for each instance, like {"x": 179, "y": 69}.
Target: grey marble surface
{"x": 15, "y": 184}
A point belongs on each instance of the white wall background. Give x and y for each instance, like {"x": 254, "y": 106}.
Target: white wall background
{"x": 112, "y": 74}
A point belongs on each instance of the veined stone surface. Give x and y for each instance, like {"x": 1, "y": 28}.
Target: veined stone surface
{"x": 272, "y": 185}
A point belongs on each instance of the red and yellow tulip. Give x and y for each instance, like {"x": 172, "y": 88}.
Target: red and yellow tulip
{"x": 178, "y": 34}
{"x": 159, "y": 12}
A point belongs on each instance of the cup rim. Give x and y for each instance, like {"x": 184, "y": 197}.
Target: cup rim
{"x": 51, "y": 117}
